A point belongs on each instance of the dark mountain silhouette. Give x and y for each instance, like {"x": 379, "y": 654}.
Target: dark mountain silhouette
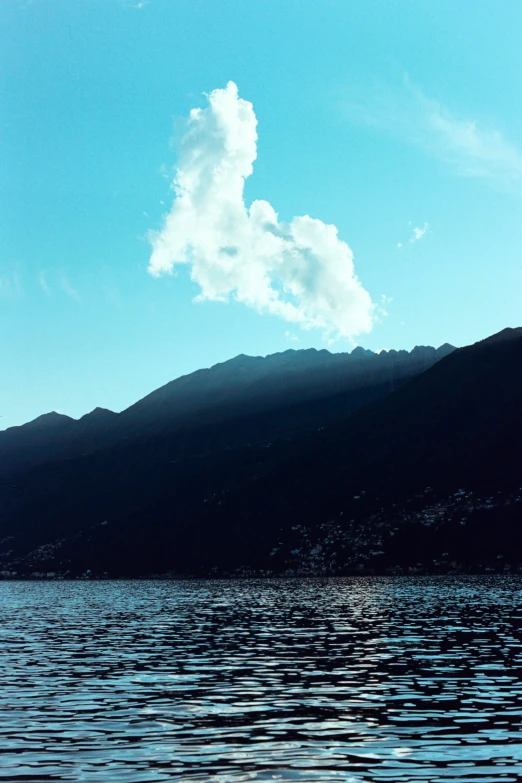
{"x": 505, "y": 334}
{"x": 235, "y": 389}
{"x": 49, "y": 436}
{"x": 422, "y": 468}
{"x": 459, "y": 424}
{"x": 31, "y": 442}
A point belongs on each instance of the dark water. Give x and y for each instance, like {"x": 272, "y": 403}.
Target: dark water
{"x": 409, "y": 679}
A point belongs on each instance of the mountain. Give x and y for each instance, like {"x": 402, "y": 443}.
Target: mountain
{"x": 239, "y": 388}
{"x": 505, "y": 334}
{"x": 417, "y": 473}
{"x": 48, "y": 437}
{"x": 30, "y": 443}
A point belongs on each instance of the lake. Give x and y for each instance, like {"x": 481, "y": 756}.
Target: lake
{"x": 355, "y": 679}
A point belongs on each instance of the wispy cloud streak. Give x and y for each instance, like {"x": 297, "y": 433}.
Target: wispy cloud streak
{"x": 10, "y": 286}
{"x": 68, "y": 289}
{"x": 44, "y": 285}
{"x": 468, "y": 147}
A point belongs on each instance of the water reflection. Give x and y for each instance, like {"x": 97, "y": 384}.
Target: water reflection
{"x": 409, "y": 679}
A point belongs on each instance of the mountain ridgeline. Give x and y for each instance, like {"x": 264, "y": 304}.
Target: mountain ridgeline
{"x": 314, "y": 388}
{"x": 300, "y": 462}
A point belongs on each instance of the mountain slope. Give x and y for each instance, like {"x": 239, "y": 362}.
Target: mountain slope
{"x": 459, "y": 424}
{"x": 239, "y": 388}
{"x": 159, "y": 504}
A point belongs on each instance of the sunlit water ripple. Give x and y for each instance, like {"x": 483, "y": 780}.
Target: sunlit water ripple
{"x": 357, "y": 679}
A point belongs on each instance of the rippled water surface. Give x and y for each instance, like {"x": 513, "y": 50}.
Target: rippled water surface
{"x": 370, "y": 679}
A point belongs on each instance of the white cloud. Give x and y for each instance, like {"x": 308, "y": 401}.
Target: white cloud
{"x": 132, "y": 4}
{"x": 291, "y": 337}
{"x": 381, "y": 310}
{"x": 418, "y": 233}
{"x": 300, "y": 271}
{"x": 470, "y": 148}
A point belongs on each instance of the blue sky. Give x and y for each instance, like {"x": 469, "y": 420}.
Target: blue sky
{"x": 397, "y": 123}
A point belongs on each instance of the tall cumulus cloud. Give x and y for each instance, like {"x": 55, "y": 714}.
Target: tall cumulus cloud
{"x": 300, "y": 271}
